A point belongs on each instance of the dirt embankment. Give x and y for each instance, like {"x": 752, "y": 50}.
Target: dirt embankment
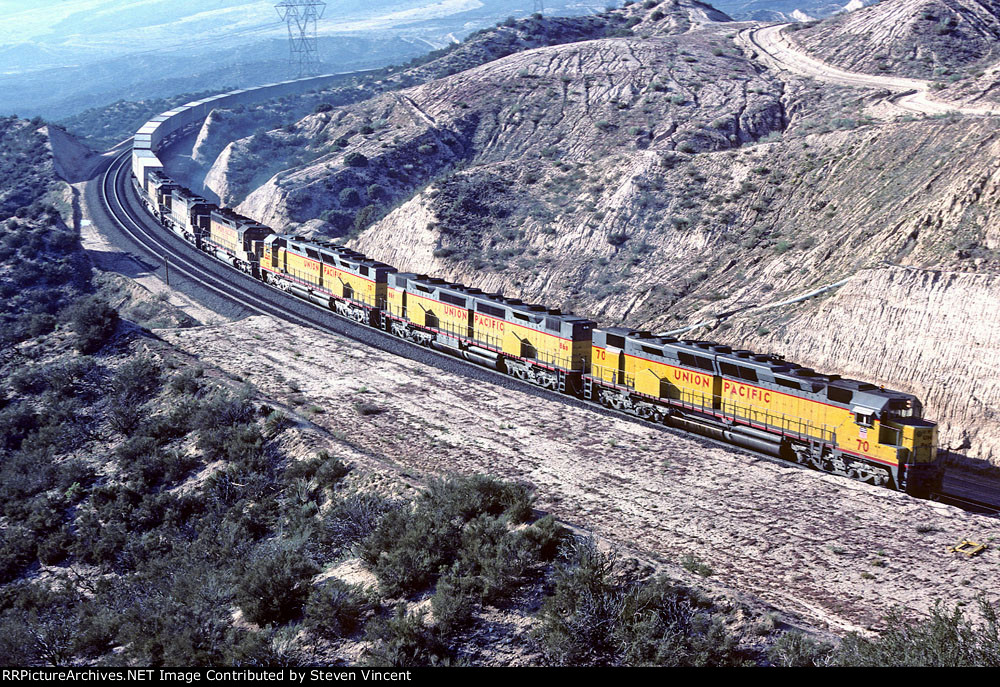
{"x": 836, "y": 553}
{"x": 73, "y": 161}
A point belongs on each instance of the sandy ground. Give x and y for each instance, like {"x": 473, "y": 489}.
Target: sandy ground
{"x": 836, "y": 554}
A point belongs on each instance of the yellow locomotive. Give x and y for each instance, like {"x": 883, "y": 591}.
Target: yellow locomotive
{"x": 334, "y": 276}
{"x": 541, "y": 345}
{"x": 766, "y": 403}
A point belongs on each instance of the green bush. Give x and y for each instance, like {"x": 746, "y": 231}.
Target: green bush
{"x": 16, "y": 552}
{"x": 408, "y": 547}
{"x": 577, "y": 621}
{"x": 456, "y": 599}
{"x": 594, "y": 617}
{"x": 352, "y": 519}
{"x": 947, "y": 638}
{"x": 55, "y": 547}
{"x": 189, "y": 381}
{"x": 495, "y": 555}
{"x": 403, "y": 640}
{"x": 355, "y": 160}
{"x": 93, "y": 321}
{"x": 335, "y": 609}
{"x": 796, "y": 650}
{"x": 664, "y": 624}
{"x": 544, "y": 536}
{"x": 365, "y": 217}
{"x": 275, "y": 586}
{"x": 349, "y": 196}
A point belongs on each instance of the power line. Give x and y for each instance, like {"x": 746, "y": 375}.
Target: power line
{"x": 301, "y": 17}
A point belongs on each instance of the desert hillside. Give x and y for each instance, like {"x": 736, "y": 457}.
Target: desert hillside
{"x": 940, "y": 39}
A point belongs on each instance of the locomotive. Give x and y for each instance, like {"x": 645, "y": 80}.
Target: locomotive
{"x": 756, "y": 401}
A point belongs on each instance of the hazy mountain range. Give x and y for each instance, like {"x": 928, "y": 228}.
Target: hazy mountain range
{"x": 59, "y": 58}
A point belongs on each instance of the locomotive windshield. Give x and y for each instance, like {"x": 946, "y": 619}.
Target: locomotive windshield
{"x": 904, "y": 407}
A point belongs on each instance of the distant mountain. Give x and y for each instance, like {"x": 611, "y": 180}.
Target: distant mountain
{"x": 787, "y": 10}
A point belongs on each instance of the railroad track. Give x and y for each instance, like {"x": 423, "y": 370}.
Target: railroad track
{"x": 971, "y": 505}
{"x": 247, "y": 295}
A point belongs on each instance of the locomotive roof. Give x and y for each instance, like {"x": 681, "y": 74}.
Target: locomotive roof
{"x": 331, "y": 249}
{"x": 233, "y": 216}
{"x": 190, "y": 195}
{"x": 495, "y": 299}
{"x": 863, "y": 394}
{"x": 161, "y": 178}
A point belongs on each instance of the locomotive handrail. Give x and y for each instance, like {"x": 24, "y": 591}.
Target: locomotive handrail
{"x": 740, "y": 412}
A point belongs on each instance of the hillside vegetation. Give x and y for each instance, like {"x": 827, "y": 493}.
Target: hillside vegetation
{"x": 42, "y": 268}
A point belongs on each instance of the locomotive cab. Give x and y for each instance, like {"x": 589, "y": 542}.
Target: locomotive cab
{"x": 901, "y": 426}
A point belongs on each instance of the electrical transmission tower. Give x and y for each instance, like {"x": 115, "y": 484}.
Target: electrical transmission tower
{"x": 539, "y": 7}
{"x": 301, "y": 17}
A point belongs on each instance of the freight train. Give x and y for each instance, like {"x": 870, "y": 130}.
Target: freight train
{"x": 760, "y": 402}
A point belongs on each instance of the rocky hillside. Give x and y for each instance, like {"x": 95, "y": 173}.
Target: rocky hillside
{"x": 251, "y": 163}
{"x": 653, "y": 175}
{"x": 946, "y": 40}
{"x": 42, "y": 267}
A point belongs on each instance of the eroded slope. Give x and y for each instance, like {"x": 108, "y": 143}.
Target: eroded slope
{"x": 920, "y": 38}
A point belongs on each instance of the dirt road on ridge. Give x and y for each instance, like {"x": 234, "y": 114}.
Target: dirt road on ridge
{"x": 778, "y": 52}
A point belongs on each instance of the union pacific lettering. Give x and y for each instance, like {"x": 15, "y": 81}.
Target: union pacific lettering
{"x": 455, "y": 312}
{"x": 337, "y": 273}
{"x": 695, "y": 378}
{"x": 748, "y": 393}
{"x": 310, "y": 265}
{"x": 487, "y": 322}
